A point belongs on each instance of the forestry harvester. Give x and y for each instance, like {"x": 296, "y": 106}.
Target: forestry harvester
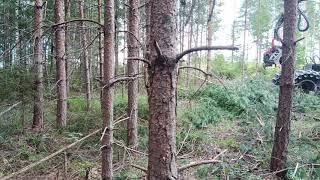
{"x": 308, "y": 79}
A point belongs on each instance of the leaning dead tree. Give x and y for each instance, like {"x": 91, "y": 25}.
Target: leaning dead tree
{"x": 162, "y": 87}
{"x": 282, "y": 129}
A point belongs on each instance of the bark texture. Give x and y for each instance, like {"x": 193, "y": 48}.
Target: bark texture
{"x": 107, "y": 92}
{"x": 38, "y": 68}
{"x": 84, "y": 56}
{"x": 61, "y": 64}
{"x": 133, "y": 51}
{"x": 162, "y": 90}
{"x": 282, "y": 129}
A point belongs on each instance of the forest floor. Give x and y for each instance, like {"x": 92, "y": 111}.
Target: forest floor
{"x": 234, "y": 126}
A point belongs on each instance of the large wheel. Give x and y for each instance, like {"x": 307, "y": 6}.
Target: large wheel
{"x": 308, "y": 81}
{"x": 305, "y": 80}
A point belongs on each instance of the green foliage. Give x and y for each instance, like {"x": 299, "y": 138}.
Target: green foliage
{"x": 217, "y": 103}
{"x": 16, "y": 84}
{"x": 226, "y": 69}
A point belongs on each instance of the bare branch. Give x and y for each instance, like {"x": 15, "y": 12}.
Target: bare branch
{"x": 193, "y": 164}
{"x": 211, "y": 11}
{"x": 9, "y": 109}
{"x": 139, "y": 167}
{"x": 204, "y": 48}
{"x": 130, "y": 33}
{"x": 49, "y": 157}
{"x": 156, "y": 45}
{"x": 79, "y": 20}
{"x": 139, "y": 59}
{"x": 112, "y": 82}
{"x": 198, "y": 69}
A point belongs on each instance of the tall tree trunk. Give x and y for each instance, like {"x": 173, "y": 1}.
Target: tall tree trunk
{"x": 162, "y": 91}
{"x": 189, "y": 46}
{"x": 100, "y": 40}
{"x": 210, "y": 31}
{"x": 244, "y": 39}
{"x": 38, "y": 68}
{"x": 67, "y": 43}
{"x": 233, "y": 38}
{"x": 107, "y": 92}
{"x": 282, "y": 129}
{"x": 84, "y": 55}
{"x": 133, "y": 51}
{"x": 61, "y": 64}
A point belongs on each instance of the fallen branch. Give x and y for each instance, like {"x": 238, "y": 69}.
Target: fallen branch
{"x": 139, "y": 167}
{"x": 10, "y": 108}
{"x": 286, "y": 169}
{"x": 204, "y": 48}
{"x": 119, "y": 143}
{"x": 193, "y": 164}
{"x": 49, "y": 157}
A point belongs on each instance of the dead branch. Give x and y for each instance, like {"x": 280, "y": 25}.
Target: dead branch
{"x": 184, "y": 140}
{"x": 79, "y": 20}
{"x": 156, "y": 45}
{"x": 211, "y": 11}
{"x": 193, "y": 164}
{"x": 198, "y": 69}
{"x": 139, "y": 167}
{"x": 10, "y": 108}
{"x": 204, "y": 48}
{"x": 130, "y": 33}
{"x": 117, "y": 80}
{"x": 139, "y": 59}
{"x": 119, "y": 143}
{"x": 49, "y": 157}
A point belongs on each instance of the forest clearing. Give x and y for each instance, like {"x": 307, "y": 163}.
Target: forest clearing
{"x": 150, "y": 89}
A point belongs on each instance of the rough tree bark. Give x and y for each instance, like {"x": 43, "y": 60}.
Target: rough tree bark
{"x": 61, "y": 63}
{"x": 282, "y": 129}
{"x": 107, "y": 91}
{"x": 133, "y": 51}
{"x": 84, "y": 56}
{"x": 162, "y": 91}
{"x": 162, "y": 88}
{"x": 38, "y": 68}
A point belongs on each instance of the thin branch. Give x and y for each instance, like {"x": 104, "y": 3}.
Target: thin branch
{"x": 10, "y": 108}
{"x": 156, "y": 45}
{"x": 130, "y": 33}
{"x": 143, "y": 5}
{"x": 198, "y": 69}
{"x": 139, "y": 59}
{"x": 120, "y": 144}
{"x": 204, "y": 48}
{"x": 121, "y": 79}
{"x": 193, "y": 164}
{"x": 49, "y": 157}
{"x": 211, "y": 11}
{"x": 139, "y": 167}
{"x": 79, "y": 20}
